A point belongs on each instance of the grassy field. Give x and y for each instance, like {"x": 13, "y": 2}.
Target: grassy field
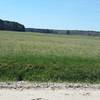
{"x": 45, "y": 57}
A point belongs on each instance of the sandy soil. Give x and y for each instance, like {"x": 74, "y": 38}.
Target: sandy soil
{"x": 48, "y": 91}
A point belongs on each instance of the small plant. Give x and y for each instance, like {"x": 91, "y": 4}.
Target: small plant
{"x": 19, "y": 78}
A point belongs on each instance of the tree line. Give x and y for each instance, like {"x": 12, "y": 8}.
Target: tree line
{"x": 15, "y": 26}
{"x": 11, "y": 26}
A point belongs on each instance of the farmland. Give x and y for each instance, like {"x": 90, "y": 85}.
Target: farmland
{"x": 48, "y": 57}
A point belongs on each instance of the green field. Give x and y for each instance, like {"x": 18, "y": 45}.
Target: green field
{"x": 46, "y": 57}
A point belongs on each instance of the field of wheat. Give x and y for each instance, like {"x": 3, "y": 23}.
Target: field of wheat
{"x": 46, "y": 57}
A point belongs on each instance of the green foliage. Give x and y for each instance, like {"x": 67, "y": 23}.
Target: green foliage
{"x": 11, "y": 26}
{"x": 45, "y": 57}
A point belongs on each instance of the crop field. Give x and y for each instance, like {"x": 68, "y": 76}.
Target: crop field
{"x": 49, "y": 57}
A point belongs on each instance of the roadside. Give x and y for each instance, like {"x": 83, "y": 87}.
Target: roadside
{"x": 48, "y": 91}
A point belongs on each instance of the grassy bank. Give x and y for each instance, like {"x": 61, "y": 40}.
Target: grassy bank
{"x": 45, "y": 57}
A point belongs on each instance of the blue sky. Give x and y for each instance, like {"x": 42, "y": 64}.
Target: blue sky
{"x": 57, "y": 14}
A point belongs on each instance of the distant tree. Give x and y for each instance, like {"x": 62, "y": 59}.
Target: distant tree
{"x": 68, "y": 32}
{"x": 12, "y": 26}
{"x": 1, "y": 24}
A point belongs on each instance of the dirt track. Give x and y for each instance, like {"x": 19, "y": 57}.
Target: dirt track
{"x": 50, "y": 91}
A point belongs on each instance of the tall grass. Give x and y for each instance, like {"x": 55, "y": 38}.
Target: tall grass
{"x": 45, "y": 57}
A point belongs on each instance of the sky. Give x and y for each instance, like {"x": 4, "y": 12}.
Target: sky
{"x": 56, "y": 14}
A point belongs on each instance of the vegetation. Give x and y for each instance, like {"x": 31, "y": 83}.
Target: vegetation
{"x": 64, "y": 32}
{"x": 46, "y": 57}
{"x": 15, "y": 26}
{"x": 11, "y": 26}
